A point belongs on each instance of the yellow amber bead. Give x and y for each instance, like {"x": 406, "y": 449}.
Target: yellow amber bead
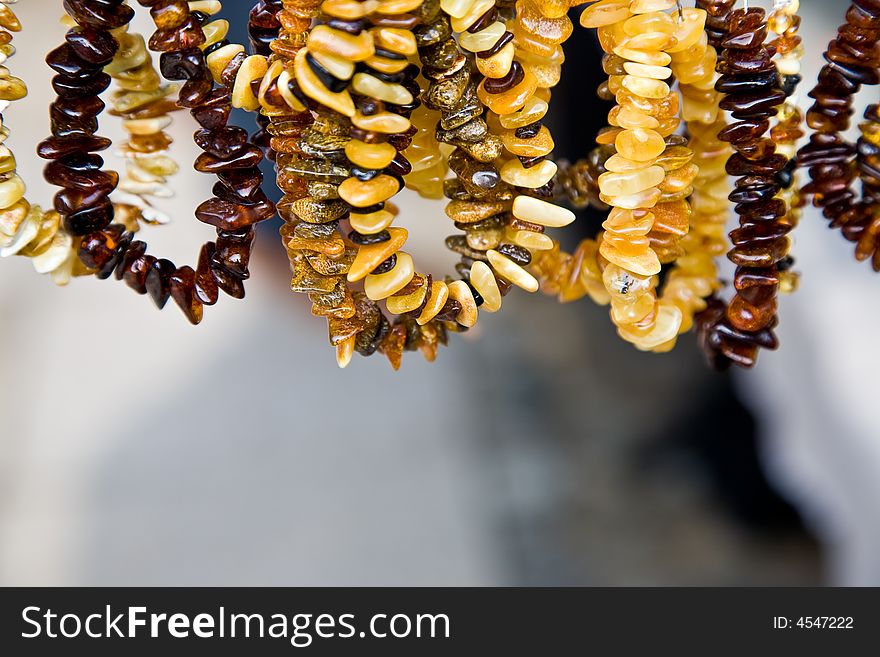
{"x": 645, "y": 87}
{"x": 384, "y": 122}
{"x": 484, "y": 283}
{"x": 639, "y": 144}
{"x": 498, "y": 65}
{"x": 655, "y": 22}
{"x": 514, "y": 173}
{"x": 437, "y": 297}
{"x": 646, "y": 71}
{"x": 372, "y": 222}
{"x": 484, "y": 39}
{"x": 382, "y": 286}
{"x": 367, "y": 85}
{"x": 356, "y": 48}
{"x": 461, "y": 292}
{"x": 512, "y": 272}
{"x": 605, "y": 12}
{"x": 631, "y": 182}
{"x": 312, "y": 87}
{"x": 511, "y": 100}
{"x": 364, "y": 193}
{"x": 534, "y": 110}
{"x": 395, "y": 39}
{"x": 370, "y": 156}
{"x": 539, "y": 145}
{"x": 540, "y": 212}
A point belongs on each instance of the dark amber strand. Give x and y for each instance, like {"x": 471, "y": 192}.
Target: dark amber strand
{"x": 853, "y": 59}
{"x": 84, "y": 202}
{"x": 735, "y": 333}
{"x": 264, "y": 28}
{"x": 717, "y": 16}
{"x": 238, "y": 203}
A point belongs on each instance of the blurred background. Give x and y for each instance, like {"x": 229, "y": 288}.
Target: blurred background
{"x": 540, "y": 450}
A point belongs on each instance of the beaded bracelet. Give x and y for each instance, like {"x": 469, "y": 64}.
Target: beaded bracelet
{"x": 83, "y": 203}
{"x": 852, "y": 60}
{"x": 751, "y": 85}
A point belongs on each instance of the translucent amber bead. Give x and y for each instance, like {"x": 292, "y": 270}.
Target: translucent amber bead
{"x": 382, "y": 286}
{"x": 364, "y": 193}
{"x": 631, "y": 182}
{"x": 511, "y": 100}
{"x": 605, "y": 12}
{"x": 645, "y": 87}
{"x": 639, "y": 144}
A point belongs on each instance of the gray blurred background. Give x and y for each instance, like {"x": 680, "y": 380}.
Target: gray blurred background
{"x": 539, "y": 450}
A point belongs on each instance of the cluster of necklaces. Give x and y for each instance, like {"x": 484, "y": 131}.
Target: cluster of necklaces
{"x": 355, "y": 100}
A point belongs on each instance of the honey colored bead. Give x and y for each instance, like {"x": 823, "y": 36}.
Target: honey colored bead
{"x": 356, "y": 48}
{"x": 528, "y": 240}
{"x": 364, "y": 193}
{"x": 629, "y": 222}
{"x": 498, "y": 65}
{"x": 511, "y": 100}
{"x": 395, "y": 39}
{"x": 534, "y": 110}
{"x": 370, "y": 156}
{"x": 673, "y": 217}
{"x": 631, "y": 182}
{"x": 436, "y": 300}
{"x": 484, "y": 282}
{"x": 372, "y": 222}
{"x": 11, "y": 191}
{"x": 626, "y": 117}
{"x": 645, "y": 87}
{"x": 643, "y": 263}
{"x": 338, "y": 67}
{"x": 345, "y": 352}
{"x": 639, "y": 144}
{"x": 605, "y": 12}
{"x": 215, "y": 32}
{"x": 664, "y": 328}
{"x": 512, "y": 272}
{"x": 385, "y": 122}
{"x": 253, "y": 68}
{"x": 541, "y": 212}
{"x": 641, "y": 200}
{"x": 619, "y": 164}
{"x": 456, "y": 8}
{"x": 473, "y": 13}
{"x": 514, "y": 173}
{"x": 689, "y": 29}
{"x": 649, "y": 6}
{"x": 646, "y": 71}
{"x": 650, "y": 58}
{"x": 370, "y": 256}
{"x": 219, "y": 59}
{"x": 653, "y": 22}
{"x": 382, "y": 286}
{"x": 367, "y": 85}
{"x": 349, "y": 10}
{"x": 392, "y": 7}
{"x": 537, "y": 146}
{"x": 459, "y": 291}
{"x": 484, "y": 39}
{"x": 312, "y": 87}
{"x": 386, "y": 65}
{"x": 406, "y": 303}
